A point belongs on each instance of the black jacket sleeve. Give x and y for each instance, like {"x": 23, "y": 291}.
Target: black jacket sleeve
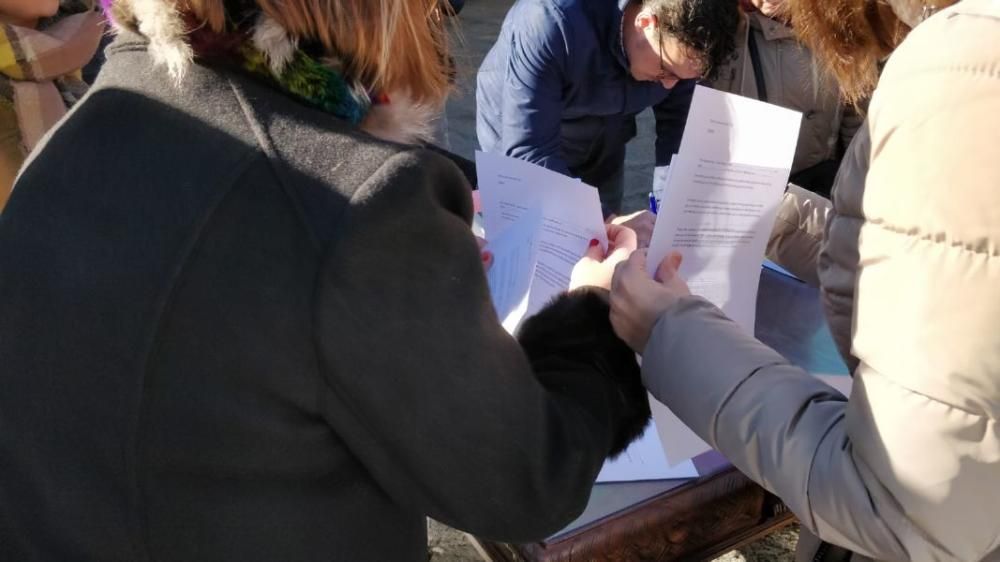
{"x": 445, "y": 409}
{"x": 574, "y": 329}
{"x": 671, "y": 117}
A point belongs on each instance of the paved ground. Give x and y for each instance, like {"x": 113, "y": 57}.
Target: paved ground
{"x": 478, "y": 26}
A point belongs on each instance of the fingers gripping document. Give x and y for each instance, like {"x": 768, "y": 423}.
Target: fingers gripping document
{"x": 717, "y": 209}
{"x": 538, "y": 224}
{"x": 515, "y": 253}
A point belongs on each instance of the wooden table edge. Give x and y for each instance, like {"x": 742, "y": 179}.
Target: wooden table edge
{"x": 770, "y": 516}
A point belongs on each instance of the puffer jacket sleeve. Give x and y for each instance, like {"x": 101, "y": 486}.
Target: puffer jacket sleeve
{"x": 909, "y": 467}
{"x": 452, "y": 416}
{"x": 805, "y": 442}
{"x": 797, "y": 236}
{"x": 851, "y": 120}
{"x": 837, "y": 266}
{"x": 782, "y": 427}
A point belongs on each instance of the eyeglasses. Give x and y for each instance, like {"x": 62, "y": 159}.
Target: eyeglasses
{"x": 665, "y": 73}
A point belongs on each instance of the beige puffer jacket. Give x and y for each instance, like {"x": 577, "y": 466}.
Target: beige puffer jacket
{"x": 909, "y": 467}
{"x": 792, "y": 80}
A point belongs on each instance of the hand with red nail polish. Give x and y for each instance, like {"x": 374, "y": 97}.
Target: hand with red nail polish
{"x": 595, "y": 268}
{"x": 485, "y": 255}
{"x": 641, "y": 222}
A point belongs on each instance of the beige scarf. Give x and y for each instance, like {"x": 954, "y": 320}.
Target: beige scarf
{"x": 39, "y": 68}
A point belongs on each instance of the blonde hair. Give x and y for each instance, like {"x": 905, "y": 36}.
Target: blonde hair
{"x": 384, "y": 45}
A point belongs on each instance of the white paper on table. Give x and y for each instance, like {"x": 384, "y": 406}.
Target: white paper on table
{"x": 678, "y": 442}
{"x": 719, "y": 205}
{"x": 570, "y": 218}
{"x": 644, "y": 460}
{"x": 515, "y": 253}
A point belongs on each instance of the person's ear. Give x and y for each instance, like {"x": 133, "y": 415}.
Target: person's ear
{"x": 645, "y": 20}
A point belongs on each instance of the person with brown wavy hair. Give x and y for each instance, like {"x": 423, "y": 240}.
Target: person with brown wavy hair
{"x": 908, "y": 466}
{"x": 243, "y": 325}
{"x": 851, "y": 37}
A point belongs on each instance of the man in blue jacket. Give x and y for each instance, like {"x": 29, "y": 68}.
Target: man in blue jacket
{"x": 565, "y": 79}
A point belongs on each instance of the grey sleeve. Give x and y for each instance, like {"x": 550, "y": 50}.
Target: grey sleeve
{"x": 797, "y": 235}
{"x": 783, "y": 428}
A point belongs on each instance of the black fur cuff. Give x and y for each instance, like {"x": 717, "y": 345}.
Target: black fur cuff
{"x": 574, "y": 331}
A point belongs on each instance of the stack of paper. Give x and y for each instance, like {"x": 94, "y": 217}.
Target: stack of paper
{"x": 538, "y": 224}
{"x": 717, "y": 203}
{"x": 717, "y": 209}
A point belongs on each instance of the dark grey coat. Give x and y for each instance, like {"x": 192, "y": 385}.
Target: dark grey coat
{"x": 235, "y": 328}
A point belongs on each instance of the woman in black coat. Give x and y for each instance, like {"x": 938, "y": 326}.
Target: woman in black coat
{"x": 237, "y": 325}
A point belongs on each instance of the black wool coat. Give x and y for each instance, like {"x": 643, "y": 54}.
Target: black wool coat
{"x": 235, "y": 328}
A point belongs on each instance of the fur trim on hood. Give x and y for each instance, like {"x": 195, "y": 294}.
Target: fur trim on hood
{"x": 396, "y": 118}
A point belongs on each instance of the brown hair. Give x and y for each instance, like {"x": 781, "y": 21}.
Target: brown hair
{"x": 386, "y": 45}
{"x": 850, "y": 38}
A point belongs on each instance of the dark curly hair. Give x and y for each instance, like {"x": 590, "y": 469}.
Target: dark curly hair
{"x": 706, "y": 27}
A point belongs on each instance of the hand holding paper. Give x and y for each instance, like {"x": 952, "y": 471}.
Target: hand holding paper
{"x": 721, "y": 194}
{"x": 637, "y": 300}
{"x": 717, "y": 206}
{"x": 539, "y": 224}
{"x": 642, "y": 222}
{"x": 514, "y": 254}
{"x": 596, "y": 269}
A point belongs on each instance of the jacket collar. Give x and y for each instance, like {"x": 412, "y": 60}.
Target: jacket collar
{"x": 616, "y": 43}
{"x": 773, "y": 30}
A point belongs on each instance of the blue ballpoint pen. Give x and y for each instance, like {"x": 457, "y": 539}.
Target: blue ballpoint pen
{"x": 652, "y": 203}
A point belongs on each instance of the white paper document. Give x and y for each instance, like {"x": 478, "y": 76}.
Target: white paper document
{"x": 515, "y": 253}
{"x": 644, "y": 460}
{"x": 724, "y": 188}
{"x": 717, "y": 209}
{"x": 569, "y": 217}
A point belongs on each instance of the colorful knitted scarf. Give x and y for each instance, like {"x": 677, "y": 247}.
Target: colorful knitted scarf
{"x": 39, "y": 69}
{"x": 311, "y": 80}
{"x": 258, "y": 45}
